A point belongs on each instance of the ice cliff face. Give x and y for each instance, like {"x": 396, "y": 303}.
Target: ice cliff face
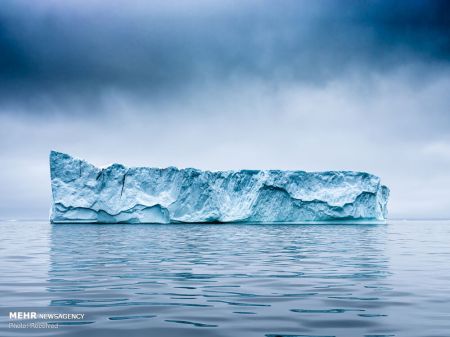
{"x": 85, "y": 193}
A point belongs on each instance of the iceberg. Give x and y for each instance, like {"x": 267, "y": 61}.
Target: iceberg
{"x": 83, "y": 193}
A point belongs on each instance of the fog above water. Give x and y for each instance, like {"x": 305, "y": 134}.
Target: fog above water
{"x": 305, "y": 85}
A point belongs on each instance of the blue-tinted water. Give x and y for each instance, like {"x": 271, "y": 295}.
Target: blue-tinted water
{"x": 229, "y": 280}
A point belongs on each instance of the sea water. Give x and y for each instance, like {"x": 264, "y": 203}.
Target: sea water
{"x": 225, "y": 279}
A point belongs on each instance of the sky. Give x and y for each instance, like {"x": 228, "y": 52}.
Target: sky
{"x": 296, "y": 85}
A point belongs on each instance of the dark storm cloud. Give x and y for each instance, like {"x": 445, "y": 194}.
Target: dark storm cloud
{"x": 70, "y": 52}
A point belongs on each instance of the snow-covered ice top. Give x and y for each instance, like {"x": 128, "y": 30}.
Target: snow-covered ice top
{"x": 85, "y": 193}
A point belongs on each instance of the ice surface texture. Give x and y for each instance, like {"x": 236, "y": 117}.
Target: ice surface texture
{"x": 83, "y": 193}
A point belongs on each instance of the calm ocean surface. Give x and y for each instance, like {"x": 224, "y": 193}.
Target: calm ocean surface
{"x": 228, "y": 280}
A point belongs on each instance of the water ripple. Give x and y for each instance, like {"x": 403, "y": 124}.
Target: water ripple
{"x": 120, "y": 318}
{"x": 229, "y": 280}
{"x": 197, "y": 324}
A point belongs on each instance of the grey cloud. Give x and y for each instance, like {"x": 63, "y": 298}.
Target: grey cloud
{"x": 312, "y": 85}
{"x": 68, "y": 54}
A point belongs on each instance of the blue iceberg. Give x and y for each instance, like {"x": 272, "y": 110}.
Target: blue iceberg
{"x": 83, "y": 193}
